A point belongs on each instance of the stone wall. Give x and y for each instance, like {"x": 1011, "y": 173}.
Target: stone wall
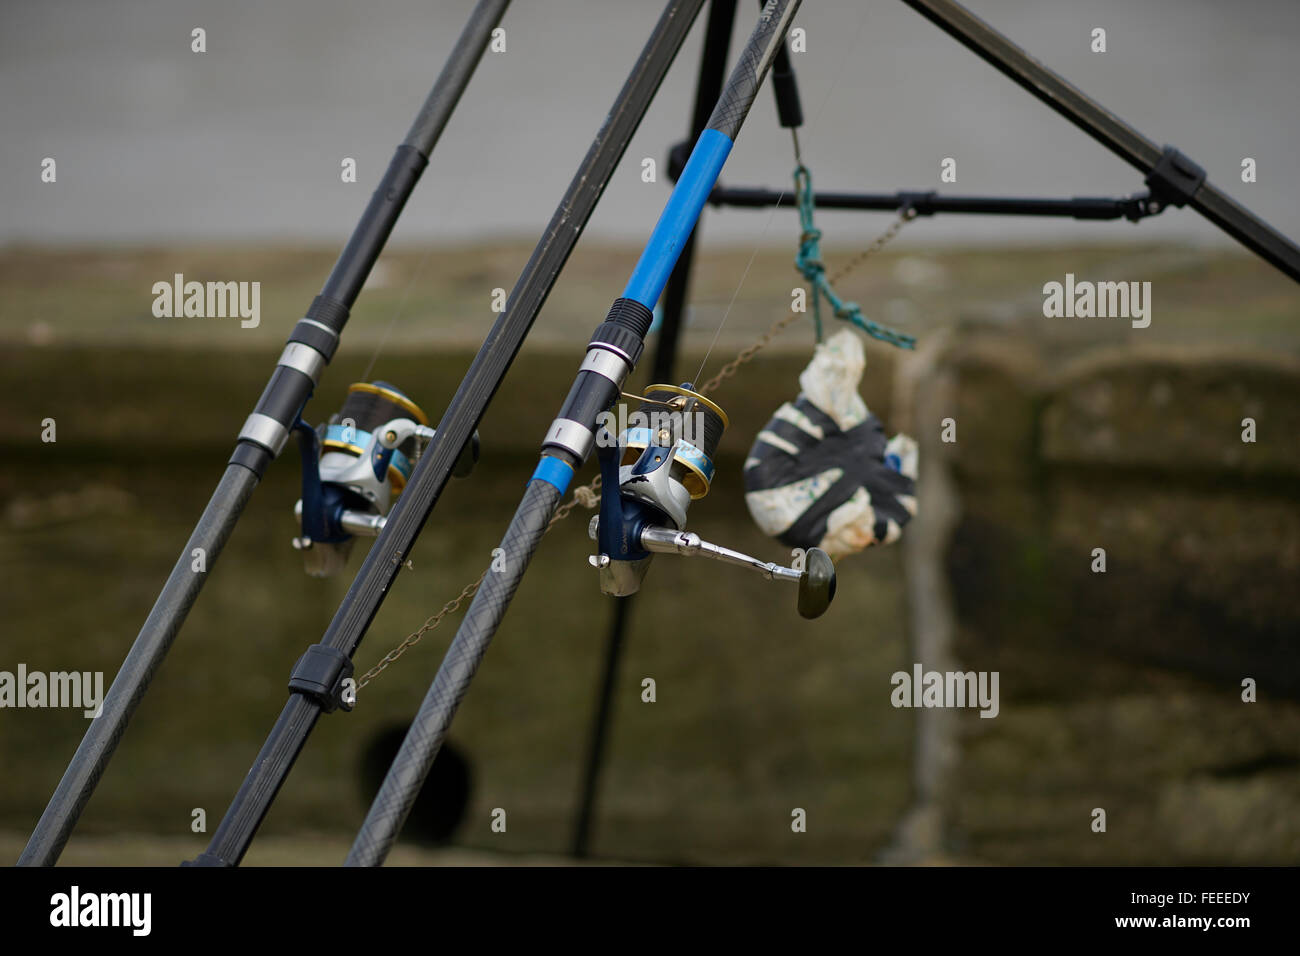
{"x": 1123, "y": 690}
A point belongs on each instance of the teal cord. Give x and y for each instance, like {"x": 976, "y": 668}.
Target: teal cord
{"x": 810, "y": 265}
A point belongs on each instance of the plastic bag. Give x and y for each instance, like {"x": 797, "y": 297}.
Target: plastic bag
{"x": 821, "y": 472}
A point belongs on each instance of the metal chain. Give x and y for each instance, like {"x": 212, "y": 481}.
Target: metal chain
{"x": 747, "y": 354}
{"x": 906, "y": 215}
{"x": 414, "y": 638}
{"x": 589, "y": 495}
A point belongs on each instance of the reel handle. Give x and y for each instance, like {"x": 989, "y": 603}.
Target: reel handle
{"x": 816, "y": 581}
{"x": 817, "y": 586}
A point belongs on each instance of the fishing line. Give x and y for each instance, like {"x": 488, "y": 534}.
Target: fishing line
{"x": 406, "y": 295}
{"x": 794, "y": 134}
{"x": 734, "y": 295}
{"x": 383, "y": 341}
{"x": 839, "y": 72}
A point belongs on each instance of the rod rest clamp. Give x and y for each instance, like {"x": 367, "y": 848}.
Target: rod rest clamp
{"x": 1173, "y": 181}
{"x": 322, "y": 673}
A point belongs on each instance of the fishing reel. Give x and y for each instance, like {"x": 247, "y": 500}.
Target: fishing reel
{"x": 650, "y": 474}
{"x": 355, "y": 466}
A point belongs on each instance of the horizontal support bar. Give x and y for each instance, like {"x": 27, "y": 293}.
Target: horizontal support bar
{"x": 1134, "y": 207}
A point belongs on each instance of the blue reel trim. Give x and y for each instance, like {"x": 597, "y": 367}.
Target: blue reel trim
{"x": 684, "y": 450}
{"x": 360, "y": 440}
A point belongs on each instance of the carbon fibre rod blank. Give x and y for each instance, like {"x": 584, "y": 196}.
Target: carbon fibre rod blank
{"x": 311, "y": 345}
{"x": 611, "y": 355}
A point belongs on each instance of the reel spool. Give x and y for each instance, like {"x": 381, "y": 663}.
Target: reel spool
{"x": 662, "y": 461}
{"x": 675, "y": 418}
{"x": 348, "y": 438}
{"x": 355, "y": 466}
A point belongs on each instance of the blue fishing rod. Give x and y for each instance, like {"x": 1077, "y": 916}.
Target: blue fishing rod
{"x": 643, "y": 502}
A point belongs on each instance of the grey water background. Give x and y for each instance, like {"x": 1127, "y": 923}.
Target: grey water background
{"x": 244, "y": 142}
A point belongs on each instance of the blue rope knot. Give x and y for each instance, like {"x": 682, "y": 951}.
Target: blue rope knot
{"x": 809, "y": 263}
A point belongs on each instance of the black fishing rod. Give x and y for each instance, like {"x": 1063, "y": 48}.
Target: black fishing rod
{"x": 320, "y": 679}
{"x": 627, "y": 532}
{"x": 311, "y": 345}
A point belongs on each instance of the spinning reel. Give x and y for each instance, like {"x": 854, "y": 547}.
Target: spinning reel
{"x": 650, "y": 474}
{"x": 353, "y": 468}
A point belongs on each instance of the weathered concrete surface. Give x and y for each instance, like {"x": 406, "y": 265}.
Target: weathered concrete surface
{"x": 1122, "y": 690}
{"x": 1176, "y": 410}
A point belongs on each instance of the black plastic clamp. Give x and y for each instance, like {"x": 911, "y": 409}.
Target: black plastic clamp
{"x": 1174, "y": 180}
{"x": 322, "y": 673}
{"x": 921, "y": 203}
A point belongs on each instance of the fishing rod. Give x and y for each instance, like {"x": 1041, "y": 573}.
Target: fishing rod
{"x": 310, "y": 347}
{"x": 643, "y": 501}
{"x": 319, "y": 683}
{"x": 708, "y": 87}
